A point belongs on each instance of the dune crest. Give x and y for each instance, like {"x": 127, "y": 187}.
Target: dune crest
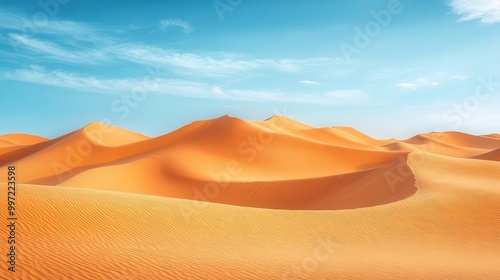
{"x": 21, "y": 139}
{"x": 229, "y": 199}
{"x": 278, "y": 163}
{"x": 107, "y": 135}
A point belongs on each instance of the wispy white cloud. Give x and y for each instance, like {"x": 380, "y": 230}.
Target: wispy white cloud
{"x": 450, "y": 76}
{"x": 420, "y": 82}
{"x": 77, "y": 43}
{"x": 195, "y": 74}
{"x": 209, "y": 65}
{"x": 437, "y": 79}
{"x": 166, "y": 25}
{"x": 332, "y": 97}
{"x": 308, "y": 82}
{"x": 14, "y": 22}
{"x": 39, "y": 75}
{"x": 487, "y": 11}
{"x": 144, "y": 54}
{"x": 57, "y": 52}
{"x": 172, "y": 24}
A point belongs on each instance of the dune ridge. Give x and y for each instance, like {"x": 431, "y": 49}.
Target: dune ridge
{"x": 255, "y": 164}
{"x": 21, "y": 139}
{"x": 275, "y": 199}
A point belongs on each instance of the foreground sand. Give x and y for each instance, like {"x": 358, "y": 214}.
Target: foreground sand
{"x": 425, "y": 208}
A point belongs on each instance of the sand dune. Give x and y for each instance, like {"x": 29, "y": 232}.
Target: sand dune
{"x": 493, "y": 155}
{"x": 258, "y": 164}
{"x": 230, "y": 199}
{"x": 452, "y": 144}
{"x": 107, "y": 135}
{"x": 11, "y": 142}
{"x": 125, "y": 236}
{"x": 341, "y": 136}
{"x": 346, "y": 191}
{"x": 170, "y": 164}
{"x": 493, "y": 135}
{"x": 21, "y": 139}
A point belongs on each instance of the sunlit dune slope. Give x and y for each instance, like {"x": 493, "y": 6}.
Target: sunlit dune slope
{"x": 230, "y": 199}
{"x": 451, "y": 143}
{"x": 341, "y": 136}
{"x": 77, "y": 149}
{"x": 178, "y": 163}
{"x": 352, "y": 190}
{"x": 278, "y": 163}
{"x": 10, "y": 142}
{"x": 107, "y": 135}
{"x": 21, "y": 139}
{"x": 449, "y": 229}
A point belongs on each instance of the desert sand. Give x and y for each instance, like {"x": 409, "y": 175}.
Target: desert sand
{"x": 232, "y": 199}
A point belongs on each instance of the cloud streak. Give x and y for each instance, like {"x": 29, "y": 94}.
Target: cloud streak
{"x": 172, "y": 24}
{"x": 192, "y": 74}
{"x": 57, "y": 52}
{"x": 75, "y": 43}
{"x": 437, "y": 79}
{"x": 38, "y": 75}
{"x": 487, "y": 11}
{"x": 308, "y": 82}
{"x": 13, "y": 22}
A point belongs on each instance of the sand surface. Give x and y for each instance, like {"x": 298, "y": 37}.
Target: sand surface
{"x": 274, "y": 199}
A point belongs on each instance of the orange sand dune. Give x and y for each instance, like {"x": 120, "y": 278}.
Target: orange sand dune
{"x": 493, "y": 135}
{"x": 447, "y": 230}
{"x": 278, "y": 163}
{"x": 465, "y": 140}
{"x": 107, "y": 135}
{"x": 452, "y": 144}
{"x": 21, "y": 139}
{"x": 50, "y": 158}
{"x": 230, "y": 199}
{"x": 493, "y": 155}
{"x": 10, "y": 142}
{"x": 169, "y": 165}
{"x": 341, "y": 136}
{"x": 351, "y": 190}
{"x": 4, "y": 143}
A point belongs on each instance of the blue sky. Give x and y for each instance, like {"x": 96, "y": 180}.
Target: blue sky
{"x": 389, "y": 68}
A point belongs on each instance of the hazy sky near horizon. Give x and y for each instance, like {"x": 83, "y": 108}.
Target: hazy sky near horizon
{"x": 388, "y": 68}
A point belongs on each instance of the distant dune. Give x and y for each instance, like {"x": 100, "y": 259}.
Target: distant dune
{"x": 231, "y": 199}
{"x": 493, "y": 155}
{"x": 20, "y": 139}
